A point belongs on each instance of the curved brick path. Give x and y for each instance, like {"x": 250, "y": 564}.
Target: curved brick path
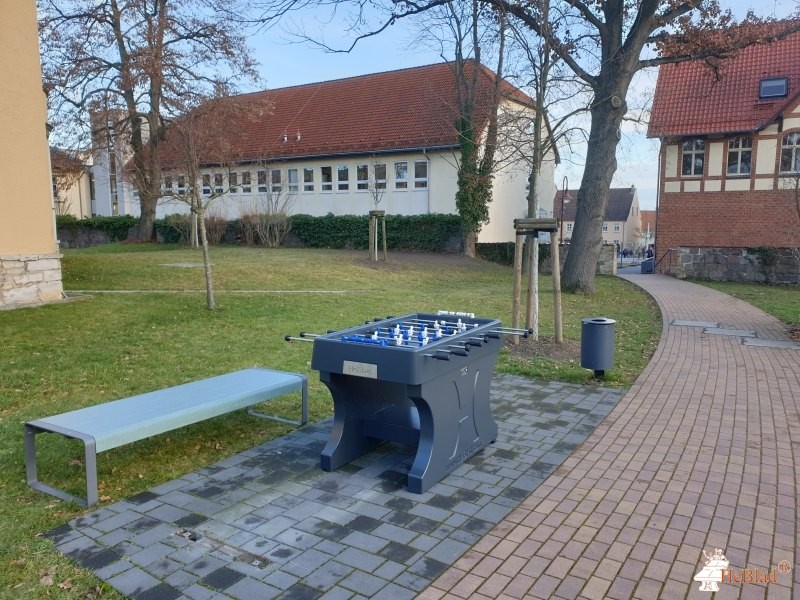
{"x": 702, "y": 452}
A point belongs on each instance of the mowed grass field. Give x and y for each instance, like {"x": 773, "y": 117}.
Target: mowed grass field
{"x": 145, "y": 326}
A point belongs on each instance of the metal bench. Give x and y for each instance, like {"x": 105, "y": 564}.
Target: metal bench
{"x": 121, "y": 422}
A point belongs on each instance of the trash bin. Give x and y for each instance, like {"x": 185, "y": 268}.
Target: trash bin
{"x": 597, "y": 344}
{"x": 647, "y": 265}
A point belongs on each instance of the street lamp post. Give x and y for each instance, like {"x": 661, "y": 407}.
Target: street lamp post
{"x": 564, "y": 187}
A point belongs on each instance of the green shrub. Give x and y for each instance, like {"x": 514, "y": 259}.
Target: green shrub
{"x": 503, "y": 252}
{"x": 115, "y": 227}
{"x": 428, "y": 233}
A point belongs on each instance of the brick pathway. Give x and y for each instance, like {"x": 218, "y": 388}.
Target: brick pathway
{"x": 702, "y": 452}
{"x": 268, "y": 523}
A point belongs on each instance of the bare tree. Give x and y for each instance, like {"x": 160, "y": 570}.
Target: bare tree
{"x": 135, "y": 64}
{"x": 201, "y": 138}
{"x": 604, "y": 44}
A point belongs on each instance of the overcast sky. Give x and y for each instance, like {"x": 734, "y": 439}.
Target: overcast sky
{"x": 284, "y": 64}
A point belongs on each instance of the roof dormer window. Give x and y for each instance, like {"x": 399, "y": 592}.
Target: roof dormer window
{"x": 773, "y": 87}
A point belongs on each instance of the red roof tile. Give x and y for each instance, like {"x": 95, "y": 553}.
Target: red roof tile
{"x": 690, "y": 100}
{"x": 396, "y": 110}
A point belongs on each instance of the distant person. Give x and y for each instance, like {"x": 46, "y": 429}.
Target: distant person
{"x": 649, "y": 253}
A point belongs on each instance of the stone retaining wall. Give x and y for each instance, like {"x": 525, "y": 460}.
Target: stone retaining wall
{"x": 30, "y": 279}
{"x": 734, "y": 264}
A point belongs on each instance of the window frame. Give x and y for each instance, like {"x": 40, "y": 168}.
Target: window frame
{"x": 362, "y": 183}
{"x": 275, "y": 181}
{"x": 233, "y": 182}
{"x": 736, "y": 148}
{"x": 206, "y": 190}
{"x": 605, "y": 227}
{"x": 773, "y": 80}
{"x": 401, "y": 183}
{"x": 308, "y": 184}
{"x": 421, "y": 183}
{"x": 617, "y": 228}
{"x": 380, "y": 182}
{"x": 293, "y": 188}
{"x": 261, "y": 180}
{"x": 181, "y": 184}
{"x": 247, "y": 182}
{"x": 219, "y": 183}
{"x": 793, "y": 153}
{"x": 167, "y": 186}
{"x": 342, "y": 185}
{"x": 326, "y": 186}
{"x": 696, "y": 153}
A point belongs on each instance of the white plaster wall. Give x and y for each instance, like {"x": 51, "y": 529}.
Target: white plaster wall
{"x": 712, "y": 186}
{"x": 691, "y": 186}
{"x": 737, "y": 185}
{"x": 671, "y": 161}
{"x": 715, "y": 158}
{"x": 763, "y": 184}
{"x": 765, "y": 161}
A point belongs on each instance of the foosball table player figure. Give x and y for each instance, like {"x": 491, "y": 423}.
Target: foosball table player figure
{"x": 421, "y": 379}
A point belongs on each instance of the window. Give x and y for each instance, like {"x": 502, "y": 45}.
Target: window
{"x": 262, "y": 182}
{"x": 233, "y": 182}
{"x": 275, "y": 181}
{"x": 206, "y": 185}
{"x": 380, "y": 176}
{"x": 181, "y": 184}
{"x": 694, "y": 153}
{"x": 343, "y": 178}
{"x": 740, "y": 151}
{"x": 421, "y": 174}
{"x": 217, "y": 183}
{"x": 167, "y": 186}
{"x": 616, "y": 227}
{"x": 362, "y": 177}
{"x": 773, "y": 87}
{"x": 569, "y": 227}
{"x": 247, "y": 185}
{"x": 291, "y": 180}
{"x": 790, "y": 153}
{"x": 401, "y": 175}
{"x": 308, "y": 180}
{"x": 326, "y": 177}
{"x": 605, "y": 227}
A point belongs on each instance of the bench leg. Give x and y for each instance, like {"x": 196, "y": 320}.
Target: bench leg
{"x": 303, "y": 409}
{"x": 90, "y": 462}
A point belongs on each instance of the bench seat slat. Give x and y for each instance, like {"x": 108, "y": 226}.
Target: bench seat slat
{"x": 121, "y": 422}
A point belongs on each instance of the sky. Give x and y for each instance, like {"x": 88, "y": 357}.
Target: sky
{"x": 284, "y": 63}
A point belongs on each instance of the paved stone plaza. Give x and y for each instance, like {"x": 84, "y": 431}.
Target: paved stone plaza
{"x": 268, "y": 523}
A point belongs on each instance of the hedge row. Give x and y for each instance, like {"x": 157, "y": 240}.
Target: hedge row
{"x": 423, "y": 233}
{"x": 503, "y": 252}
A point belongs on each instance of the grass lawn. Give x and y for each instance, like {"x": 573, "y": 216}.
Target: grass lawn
{"x": 781, "y": 301}
{"x": 60, "y": 357}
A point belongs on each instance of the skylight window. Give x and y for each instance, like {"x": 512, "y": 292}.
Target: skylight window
{"x": 773, "y": 87}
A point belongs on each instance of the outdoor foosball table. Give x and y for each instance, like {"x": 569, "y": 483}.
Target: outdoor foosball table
{"x": 420, "y": 379}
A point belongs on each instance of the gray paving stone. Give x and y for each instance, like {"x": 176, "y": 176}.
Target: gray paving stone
{"x": 328, "y": 575}
{"x": 337, "y": 593}
{"x": 151, "y": 554}
{"x": 359, "y": 523}
{"x": 133, "y": 582}
{"x": 251, "y": 589}
{"x": 363, "y": 583}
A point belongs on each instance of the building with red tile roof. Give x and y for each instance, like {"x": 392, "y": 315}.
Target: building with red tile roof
{"x": 729, "y": 161}
{"x": 335, "y": 146}
{"x": 622, "y": 225}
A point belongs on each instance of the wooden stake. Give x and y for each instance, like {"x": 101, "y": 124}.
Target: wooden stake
{"x": 517, "y": 286}
{"x": 383, "y": 225}
{"x": 559, "y": 336}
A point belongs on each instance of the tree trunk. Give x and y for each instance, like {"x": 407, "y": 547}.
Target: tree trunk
{"x": 601, "y": 164}
{"x": 206, "y": 259}
{"x": 470, "y": 238}
{"x": 147, "y": 217}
